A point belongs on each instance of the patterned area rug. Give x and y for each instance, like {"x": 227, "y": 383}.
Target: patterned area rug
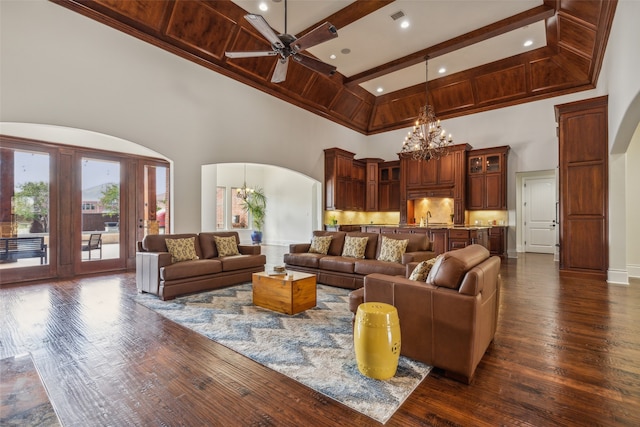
{"x": 314, "y": 347}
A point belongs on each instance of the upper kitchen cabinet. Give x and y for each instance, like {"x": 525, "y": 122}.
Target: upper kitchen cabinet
{"x": 344, "y": 180}
{"x": 337, "y": 179}
{"x": 487, "y": 179}
{"x": 444, "y": 177}
{"x": 430, "y": 173}
{"x": 389, "y": 186}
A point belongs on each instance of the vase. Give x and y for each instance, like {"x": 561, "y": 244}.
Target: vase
{"x": 256, "y": 237}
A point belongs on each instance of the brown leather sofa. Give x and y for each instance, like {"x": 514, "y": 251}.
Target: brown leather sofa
{"x": 335, "y": 270}
{"x": 449, "y": 321}
{"x": 157, "y": 274}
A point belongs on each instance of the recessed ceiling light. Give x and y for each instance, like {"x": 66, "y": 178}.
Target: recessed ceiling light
{"x": 442, "y": 70}
{"x": 380, "y": 90}
{"x": 405, "y": 24}
{"x": 528, "y": 43}
{"x": 345, "y": 51}
{"x": 263, "y": 6}
{"x": 333, "y": 56}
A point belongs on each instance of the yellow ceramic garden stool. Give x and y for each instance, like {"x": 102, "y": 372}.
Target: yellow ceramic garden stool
{"x": 376, "y": 339}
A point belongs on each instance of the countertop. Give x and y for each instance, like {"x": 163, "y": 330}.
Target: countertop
{"x": 434, "y": 226}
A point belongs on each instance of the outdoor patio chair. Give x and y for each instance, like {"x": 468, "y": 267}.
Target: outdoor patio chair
{"x": 94, "y": 242}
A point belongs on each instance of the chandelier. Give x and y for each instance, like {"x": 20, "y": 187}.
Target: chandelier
{"x": 427, "y": 140}
{"x": 244, "y": 192}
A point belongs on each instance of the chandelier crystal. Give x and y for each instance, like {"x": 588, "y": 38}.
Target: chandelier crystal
{"x": 427, "y": 140}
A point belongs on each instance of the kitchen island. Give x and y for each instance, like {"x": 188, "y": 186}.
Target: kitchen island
{"x": 445, "y": 237}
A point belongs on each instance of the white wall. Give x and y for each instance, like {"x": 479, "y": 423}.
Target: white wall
{"x": 292, "y": 213}
{"x": 60, "y": 68}
{"x": 633, "y": 205}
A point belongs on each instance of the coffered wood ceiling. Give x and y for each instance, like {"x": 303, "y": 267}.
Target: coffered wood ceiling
{"x": 201, "y": 31}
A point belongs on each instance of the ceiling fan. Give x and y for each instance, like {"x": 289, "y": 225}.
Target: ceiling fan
{"x": 287, "y": 46}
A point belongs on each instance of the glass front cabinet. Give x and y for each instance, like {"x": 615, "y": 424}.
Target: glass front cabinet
{"x": 487, "y": 179}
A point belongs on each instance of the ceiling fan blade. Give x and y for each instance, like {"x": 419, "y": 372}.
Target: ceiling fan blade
{"x": 314, "y": 64}
{"x": 260, "y": 24}
{"x": 314, "y": 37}
{"x": 250, "y": 54}
{"x": 280, "y": 73}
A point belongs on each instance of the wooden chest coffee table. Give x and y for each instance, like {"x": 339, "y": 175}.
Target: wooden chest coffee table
{"x": 285, "y": 294}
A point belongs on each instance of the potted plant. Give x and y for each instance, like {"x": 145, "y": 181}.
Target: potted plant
{"x": 256, "y": 205}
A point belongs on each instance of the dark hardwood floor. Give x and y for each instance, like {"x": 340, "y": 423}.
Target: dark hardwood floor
{"x": 567, "y": 353}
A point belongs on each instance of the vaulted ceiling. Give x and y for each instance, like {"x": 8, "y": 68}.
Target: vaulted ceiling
{"x": 379, "y": 84}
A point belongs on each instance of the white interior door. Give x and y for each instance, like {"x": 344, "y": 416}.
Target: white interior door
{"x": 540, "y": 215}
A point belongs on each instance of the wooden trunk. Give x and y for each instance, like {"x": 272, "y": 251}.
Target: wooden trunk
{"x": 283, "y": 294}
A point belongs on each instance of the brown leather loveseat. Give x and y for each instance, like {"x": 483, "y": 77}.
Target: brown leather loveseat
{"x": 449, "y": 321}
{"x": 156, "y": 273}
{"x": 346, "y": 272}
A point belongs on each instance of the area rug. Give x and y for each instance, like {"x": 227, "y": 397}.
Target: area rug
{"x": 314, "y": 347}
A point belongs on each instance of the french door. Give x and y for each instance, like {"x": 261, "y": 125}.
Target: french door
{"x": 87, "y": 207}
{"x": 28, "y": 235}
{"x": 99, "y": 212}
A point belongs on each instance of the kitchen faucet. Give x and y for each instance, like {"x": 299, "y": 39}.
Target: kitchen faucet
{"x": 428, "y": 216}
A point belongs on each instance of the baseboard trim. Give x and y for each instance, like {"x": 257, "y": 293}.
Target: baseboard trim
{"x": 617, "y": 277}
{"x": 633, "y": 270}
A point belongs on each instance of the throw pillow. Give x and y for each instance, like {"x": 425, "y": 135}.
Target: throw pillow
{"x": 182, "y": 249}
{"x": 421, "y": 272}
{"x": 434, "y": 269}
{"x": 320, "y": 245}
{"x": 226, "y": 246}
{"x": 354, "y": 247}
{"x": 392, "y": 249}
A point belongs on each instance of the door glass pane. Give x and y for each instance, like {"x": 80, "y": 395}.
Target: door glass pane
{"x": 162, "y": 199}
{"x": 155, "y": 214}
{"x": 100, "y": 209}
{"x": 24, "y": 208}
{"x": 475, "y": 165}
{"x": 493, "y": 163}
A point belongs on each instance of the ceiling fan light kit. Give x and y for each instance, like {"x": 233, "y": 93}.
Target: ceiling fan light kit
{"x": 286, "y": 45}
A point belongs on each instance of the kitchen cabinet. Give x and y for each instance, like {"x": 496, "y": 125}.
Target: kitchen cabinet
{"x": 430, "y": 173}
{"x": 342, "y": 227}
{"x": 462, "y": 237}
{"x": 445, "y": 177}
{"x": 583, "y": 174}
{"x": 487, "y": 179}
{"x": 337, "y": 178}
{"x": 358, "y": 173}
{"x": 344, "y": 180}
{"x": 498, "y": 241}
{"x": 440, "y": 239}
{"x": 372, "y": 201}
{"x": 389, "y": 186}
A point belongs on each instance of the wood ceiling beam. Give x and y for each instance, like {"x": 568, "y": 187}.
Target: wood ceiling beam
{"x": 492, "y": 30}
{"x": 350, "y": 14}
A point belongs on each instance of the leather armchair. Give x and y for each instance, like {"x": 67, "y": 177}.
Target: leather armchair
{"x": 449, "y": 321}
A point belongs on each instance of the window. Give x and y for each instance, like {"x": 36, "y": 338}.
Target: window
{"x": 220, "y": 208}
